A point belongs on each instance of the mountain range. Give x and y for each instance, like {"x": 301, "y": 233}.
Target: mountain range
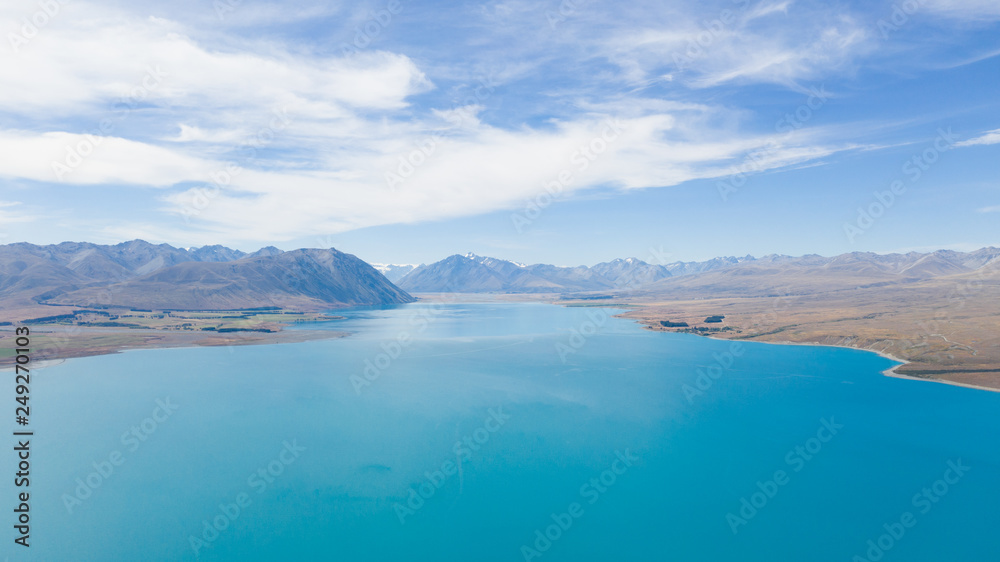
{"x": 140, "y": 274}
{"x": 937, "y": 310}
{"x": 477, "y": 274}
{"x": 812, "y": 274}
{"x": 394, "y": 272}
{"x": 725, "y": 276}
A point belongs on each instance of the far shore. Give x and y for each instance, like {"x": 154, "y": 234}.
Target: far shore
{"x": 90, "y": 342}
{"x": 647, "y": 323}
{"x": 890, "y": 372}
{"x": 53, "y": 344}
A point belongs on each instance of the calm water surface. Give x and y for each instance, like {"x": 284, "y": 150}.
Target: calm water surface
{"x": 493, "y": 425}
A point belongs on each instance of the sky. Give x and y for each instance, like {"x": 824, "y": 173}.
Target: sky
{"x": 567, "y": 132}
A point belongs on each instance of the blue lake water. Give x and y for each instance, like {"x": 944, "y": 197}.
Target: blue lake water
{"x": 492, "y": 425}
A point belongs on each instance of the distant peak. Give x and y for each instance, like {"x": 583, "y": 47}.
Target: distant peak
{"x": 628, "y": 261}
{"x": 488, "y": 261}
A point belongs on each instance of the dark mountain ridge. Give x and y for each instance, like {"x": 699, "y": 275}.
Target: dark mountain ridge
{"x": 140, "y": 274}
{"x": 300, "y": 279}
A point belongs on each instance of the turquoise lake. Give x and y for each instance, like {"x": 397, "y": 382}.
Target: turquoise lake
{"x": 493, "y": 425}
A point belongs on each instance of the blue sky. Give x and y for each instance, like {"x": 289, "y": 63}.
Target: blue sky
{"x": 565, "y": 132}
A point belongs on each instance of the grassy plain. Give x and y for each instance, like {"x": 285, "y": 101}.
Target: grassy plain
{"x": 98, "y": 332}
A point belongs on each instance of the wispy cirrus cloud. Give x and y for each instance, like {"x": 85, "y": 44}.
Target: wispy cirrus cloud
{"x": 665, "y": 71}
{"x": 9, "y": 214}
{"x": 990, "y": 137}
{"x": 781, "y": 42}
{"x": 350, "y": 119}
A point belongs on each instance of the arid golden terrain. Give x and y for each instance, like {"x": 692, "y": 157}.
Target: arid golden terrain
{"x": 947, "y": 328}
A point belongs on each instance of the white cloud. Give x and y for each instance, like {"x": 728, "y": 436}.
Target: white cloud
{"x": 88, "y": 59}
{"x": 84, "y": 159}
{"x": 350, "y": 119}
{"x": 993, "y": 209}
{"x": 189, "y": 133}
{"x": 469, "y": 173}
{"x": 471, "y": 170}
{"x": 9, "y": 214}
{"x": 761, "y": 42}
{"x": 990, "y": 137}
{"x": 349, "y": 124}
